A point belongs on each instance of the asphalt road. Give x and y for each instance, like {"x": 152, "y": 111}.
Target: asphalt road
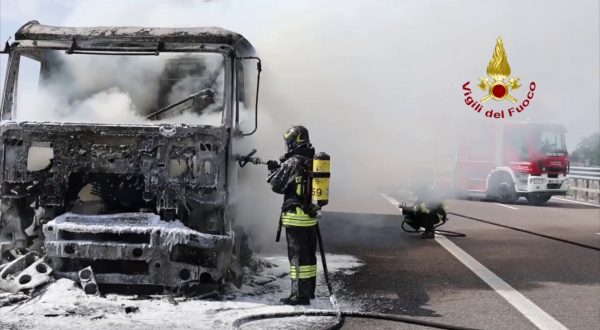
{"x": 550, "y": 281}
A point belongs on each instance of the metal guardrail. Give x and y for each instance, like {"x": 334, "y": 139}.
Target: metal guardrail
{"x": 584, "y": 172}
{"x": 584, "y": 183}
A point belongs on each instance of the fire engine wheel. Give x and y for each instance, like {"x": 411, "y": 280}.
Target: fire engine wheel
{"x": 502, "y": 188}
{"x": 538, "y": 198}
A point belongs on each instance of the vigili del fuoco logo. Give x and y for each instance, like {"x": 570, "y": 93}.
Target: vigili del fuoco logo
{"x": 498, "y": 86}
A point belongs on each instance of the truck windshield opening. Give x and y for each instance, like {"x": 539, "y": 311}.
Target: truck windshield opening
{"x": 120, "y": 89}
{"x": 552, "y": 142}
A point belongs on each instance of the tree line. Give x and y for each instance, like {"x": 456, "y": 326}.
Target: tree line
{"x": 588, "y": 151}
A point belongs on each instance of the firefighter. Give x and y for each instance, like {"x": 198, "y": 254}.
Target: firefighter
{"x": 427, "y": 212}
{"x": 291, "y": 177}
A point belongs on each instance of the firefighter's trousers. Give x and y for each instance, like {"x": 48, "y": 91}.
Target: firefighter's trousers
{"x": 301, "y": 234}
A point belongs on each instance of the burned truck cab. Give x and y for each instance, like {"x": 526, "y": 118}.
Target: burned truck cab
{"x": 120, "y": 156}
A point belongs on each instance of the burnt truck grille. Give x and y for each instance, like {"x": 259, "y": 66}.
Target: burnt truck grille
{"x": 102, "y": 266}
{"x": 134, "y": 249}
{"x": 193, "y": 255}
{"x": 124, "y": 237}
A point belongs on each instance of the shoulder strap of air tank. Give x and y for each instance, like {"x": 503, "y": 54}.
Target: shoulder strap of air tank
{"x": 309, "y": 172}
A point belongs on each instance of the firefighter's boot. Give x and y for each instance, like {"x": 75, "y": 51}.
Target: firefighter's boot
{"x": 428, "y": 235}
{"x": 294, "y": 301}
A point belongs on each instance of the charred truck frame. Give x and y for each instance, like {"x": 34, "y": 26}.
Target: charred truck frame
{"x": 165, "y": 188}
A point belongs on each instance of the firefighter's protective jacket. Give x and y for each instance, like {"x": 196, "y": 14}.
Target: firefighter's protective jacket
{"x": 429, "y": 207}
{"x": 292, "y": 180}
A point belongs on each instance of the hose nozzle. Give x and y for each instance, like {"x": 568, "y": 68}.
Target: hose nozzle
{"x": 243, "y": 160}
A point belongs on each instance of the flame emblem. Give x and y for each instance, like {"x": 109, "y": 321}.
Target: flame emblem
{"x": 498, "y": 69}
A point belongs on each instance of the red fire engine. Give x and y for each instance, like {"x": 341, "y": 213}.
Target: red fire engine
{"x": 505, "y": 161}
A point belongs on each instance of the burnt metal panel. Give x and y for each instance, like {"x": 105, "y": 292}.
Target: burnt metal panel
{"x": 177, "y": 162}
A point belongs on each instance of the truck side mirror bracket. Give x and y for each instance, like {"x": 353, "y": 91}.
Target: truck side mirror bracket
{"x": 259, "y": 70}
{"x": 6, "y": 49}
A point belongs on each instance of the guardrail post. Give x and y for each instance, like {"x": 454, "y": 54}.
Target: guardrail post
{"x": 587, "y": 186}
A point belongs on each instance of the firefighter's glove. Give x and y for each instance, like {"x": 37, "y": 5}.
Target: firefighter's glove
{"x": 312, "y": 210}
{"x": 272, "y": 165}
{"x": 408, "y": 212}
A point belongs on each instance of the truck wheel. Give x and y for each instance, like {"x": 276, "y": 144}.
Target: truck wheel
{"x": 538, "y": 198}
{"x": 502, "y": 188}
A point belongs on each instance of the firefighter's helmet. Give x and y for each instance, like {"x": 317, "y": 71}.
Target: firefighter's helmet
{"x": 295, "y": 137}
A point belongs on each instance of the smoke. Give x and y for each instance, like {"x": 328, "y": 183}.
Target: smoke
{"x": 118, "y": 89}
{"x": 379, "y": 85}
{"x": 108, "y": 106}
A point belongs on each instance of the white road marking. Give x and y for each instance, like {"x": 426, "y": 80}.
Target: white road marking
{"x": 531, "y": 311}
{"x": 576, "y": 202}
{"x": 510, "y": 207}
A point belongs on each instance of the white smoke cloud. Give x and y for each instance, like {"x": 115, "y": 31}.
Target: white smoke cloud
{"x": 109, "y": 106}
{"x": 114, "y": 89}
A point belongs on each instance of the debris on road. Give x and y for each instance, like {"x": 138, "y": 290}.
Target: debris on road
{"x": 64, "y": 305}
{"x": 87, "y": 280}
{"x": 8, "y": 298}
{"x": 25, "y": 273}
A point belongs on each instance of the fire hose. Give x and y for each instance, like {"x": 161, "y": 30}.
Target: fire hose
{"x": 558, "y": 239}
{"x": 237, "y": 324}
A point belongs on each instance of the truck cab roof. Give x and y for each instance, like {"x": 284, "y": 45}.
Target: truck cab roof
{"x": 127, "y": 38}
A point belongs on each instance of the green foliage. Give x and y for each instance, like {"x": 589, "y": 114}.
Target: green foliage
{"x": 588, "y": 150}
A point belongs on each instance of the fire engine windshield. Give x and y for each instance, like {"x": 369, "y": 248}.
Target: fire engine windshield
{"x": 120, "y": 89}
{"x": 552, "y": 143}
